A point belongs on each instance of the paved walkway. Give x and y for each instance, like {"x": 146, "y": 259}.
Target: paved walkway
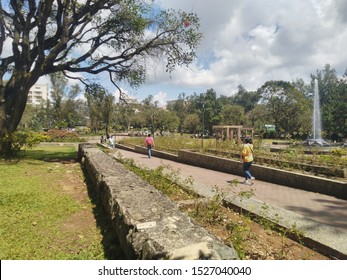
{"x": 322, "y": 208}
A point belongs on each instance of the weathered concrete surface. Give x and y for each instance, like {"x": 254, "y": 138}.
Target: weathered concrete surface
{"x": 148, "y": 224}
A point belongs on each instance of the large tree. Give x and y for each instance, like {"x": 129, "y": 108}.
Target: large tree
{"x": 246, "y": 99}
{"x": 232, "y": 115}
{"x": 210, "y": 109}
{"x": 151, "y": 114}
{"x": 125, "y": 116}
{"x": 116, "y": 37}
{"x": 191, "y": 123}
{"x": 100, "y": 104}
{"x": 288, "y": 107}
{"x": 333, "y": 101}
{"x": 180, "y": 107}
{"x": 64, "y": 105}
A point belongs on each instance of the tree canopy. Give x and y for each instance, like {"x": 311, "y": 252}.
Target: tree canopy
{"x": 287, "y": 106}
{"x": 80, "y": 38}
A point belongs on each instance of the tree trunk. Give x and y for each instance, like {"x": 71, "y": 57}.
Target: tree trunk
{"x": 13, "y": 98}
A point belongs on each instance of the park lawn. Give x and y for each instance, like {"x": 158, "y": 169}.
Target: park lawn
{"x": 45, "y": 210}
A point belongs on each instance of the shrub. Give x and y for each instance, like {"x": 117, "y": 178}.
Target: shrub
{"x": 56, "y": 135}
{"x": 21, "y": 139}
{"x": 338, "y": 152}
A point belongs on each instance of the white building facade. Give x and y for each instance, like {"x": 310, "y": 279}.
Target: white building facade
{"x": 38, "y": 95}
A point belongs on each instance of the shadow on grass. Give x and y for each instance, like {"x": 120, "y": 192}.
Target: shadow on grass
{"x": 61, "y": 156}
{"x": 52, "y": 156}
{"x": 112, "y": 248}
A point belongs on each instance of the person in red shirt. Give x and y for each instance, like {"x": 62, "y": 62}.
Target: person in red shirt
{"x": 149, "y": 142}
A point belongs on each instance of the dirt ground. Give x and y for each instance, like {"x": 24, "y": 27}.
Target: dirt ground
{"x": 73, "y": 184}
{"x": 90, "y": 223}
{"x": 254, "y": 241}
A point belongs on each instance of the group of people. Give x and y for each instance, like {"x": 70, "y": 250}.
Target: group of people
{"x": 108, "y": 140}
{"x": 246, "y": 154}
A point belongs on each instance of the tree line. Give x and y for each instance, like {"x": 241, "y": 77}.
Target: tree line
{"x": 286, "y": 105}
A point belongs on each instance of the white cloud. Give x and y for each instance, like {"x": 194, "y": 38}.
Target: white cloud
{"x": 161, "y": 98}
{"x": 252, "y": 41}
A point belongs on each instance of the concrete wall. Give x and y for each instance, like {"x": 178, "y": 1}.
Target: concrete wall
{"x": 337, "y": 171}
{"x": 156, "y": 153}
{"x": 147, "y": 223}
{"x": 268, "y": 174}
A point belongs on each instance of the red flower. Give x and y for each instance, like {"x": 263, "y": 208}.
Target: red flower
{"x": 186, "y": 23}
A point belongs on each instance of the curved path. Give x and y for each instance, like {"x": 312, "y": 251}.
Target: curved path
{"x": 322, "y": 208}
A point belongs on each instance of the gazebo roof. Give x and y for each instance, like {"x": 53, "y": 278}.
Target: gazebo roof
{"x": 230, "y": 126}
{"x": 227, "y": 126}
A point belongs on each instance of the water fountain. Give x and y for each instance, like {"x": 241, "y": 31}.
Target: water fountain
{"x": 316, "y": 121}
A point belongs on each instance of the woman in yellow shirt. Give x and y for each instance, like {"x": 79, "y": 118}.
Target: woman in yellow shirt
{"x": 247, "y": 160}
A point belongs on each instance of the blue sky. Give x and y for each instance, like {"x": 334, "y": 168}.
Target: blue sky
{"x": 250, "y": 42}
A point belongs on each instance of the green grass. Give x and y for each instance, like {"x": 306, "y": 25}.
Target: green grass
{"x": 34, "y": 209}
{"x": 51, "y": 154}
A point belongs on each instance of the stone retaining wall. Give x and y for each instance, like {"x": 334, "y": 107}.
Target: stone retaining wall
{"x": 147, "y": 223}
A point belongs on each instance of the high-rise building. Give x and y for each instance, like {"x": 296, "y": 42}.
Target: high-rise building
{"x": 38, "y": 94}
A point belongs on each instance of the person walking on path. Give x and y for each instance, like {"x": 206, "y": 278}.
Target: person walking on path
{"x": 149, "y": 142}
{"x": 111, "y": 142}
{"x": 247, "y": 160}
